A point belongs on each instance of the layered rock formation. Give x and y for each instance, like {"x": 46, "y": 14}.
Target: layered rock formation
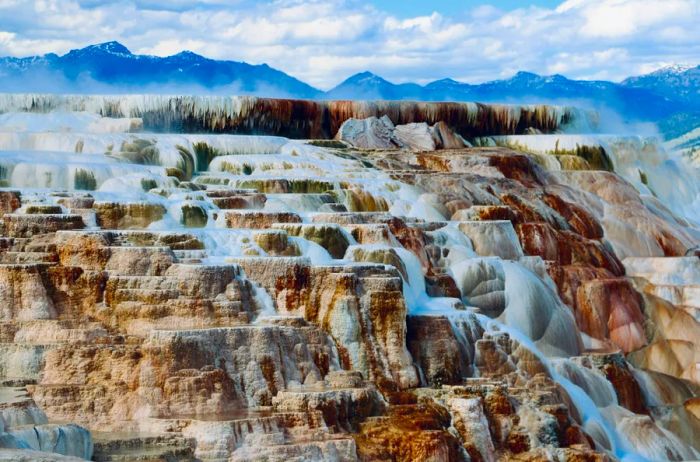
{"x": 218, "y": 297}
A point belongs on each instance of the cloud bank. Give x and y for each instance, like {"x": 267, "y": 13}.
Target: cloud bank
{"x": 322, "y": 42}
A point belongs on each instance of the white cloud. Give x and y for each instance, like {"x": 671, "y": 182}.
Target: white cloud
{"x": 322, "y": 42}
{"x": 619, "y": 18}
{"x": 576, "y": 63}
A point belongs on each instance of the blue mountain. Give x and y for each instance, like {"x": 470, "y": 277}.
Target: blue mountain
{"x": 675, "y": 82}
{"x": 112, "y": 67}
{"x": 368, "y": 86}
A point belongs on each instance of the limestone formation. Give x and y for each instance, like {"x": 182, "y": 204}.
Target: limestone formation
{"x": 400, "y": 295}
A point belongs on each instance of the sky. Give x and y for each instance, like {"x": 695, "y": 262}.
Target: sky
{"x": 324, "y": 42}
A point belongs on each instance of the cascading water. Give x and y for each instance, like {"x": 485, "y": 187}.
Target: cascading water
{"x": 69, "y": 440}
{"x": 593, "y": 421}
{"x": 591, "y": 399}
{"x": 655, "y": 171}
{"x": 663, "y": 174}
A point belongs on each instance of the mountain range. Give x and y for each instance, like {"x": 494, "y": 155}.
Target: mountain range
{"x": 669, "y": 97}
{"x": 111, "y": 67}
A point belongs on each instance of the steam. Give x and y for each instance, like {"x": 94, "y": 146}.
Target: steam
{"x": 603, "y": 117}
{"x": 55, "y": 82}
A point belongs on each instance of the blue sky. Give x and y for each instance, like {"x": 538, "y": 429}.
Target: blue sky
{"x": 325, "y": 41}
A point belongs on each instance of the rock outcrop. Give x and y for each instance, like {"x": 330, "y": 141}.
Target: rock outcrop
{"x": 371, "y": 133}
{"x": 381, "y": 133}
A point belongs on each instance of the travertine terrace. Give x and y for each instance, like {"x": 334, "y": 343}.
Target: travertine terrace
{"x": 425, "y": 287}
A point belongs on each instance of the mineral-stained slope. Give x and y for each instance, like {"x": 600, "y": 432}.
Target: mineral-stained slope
{"x": 178, "y": 297}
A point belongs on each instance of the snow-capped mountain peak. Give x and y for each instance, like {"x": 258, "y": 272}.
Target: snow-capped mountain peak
{"x": 677, "y": 68}
{"x": 113, "y": 47}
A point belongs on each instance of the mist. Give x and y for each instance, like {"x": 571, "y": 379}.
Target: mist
{"x": 55, "y": 82}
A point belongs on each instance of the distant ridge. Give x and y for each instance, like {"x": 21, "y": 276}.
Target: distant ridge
{"x": 669, "y": 96}
{"x": 108, "y": 66}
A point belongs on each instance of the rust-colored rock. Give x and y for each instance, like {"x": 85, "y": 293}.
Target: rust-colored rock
{"x": 409, "y": 433}
{"x": 258, "y": 220}
{"x": 566, "y": 248}
{"x": 611, "y": 309}
{"x": 127, "y": 216}
{"x": 9, "y": 201}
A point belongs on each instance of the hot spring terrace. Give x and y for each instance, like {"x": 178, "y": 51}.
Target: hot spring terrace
{"x": 479, "y": 287}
